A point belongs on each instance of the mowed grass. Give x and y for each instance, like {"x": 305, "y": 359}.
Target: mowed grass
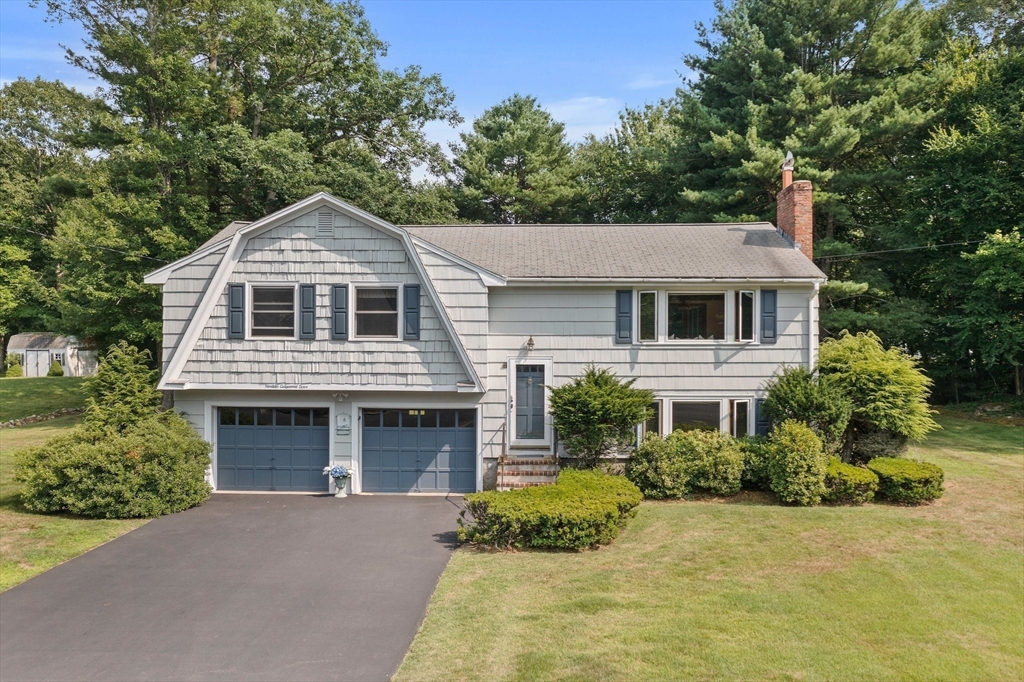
{"x": 750, "y": 590}
{"x": 32, "y": 543}
{"x": 22, "y": 396}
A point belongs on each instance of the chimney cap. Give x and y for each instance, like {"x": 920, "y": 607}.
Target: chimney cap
{"x": 788, "y": 163}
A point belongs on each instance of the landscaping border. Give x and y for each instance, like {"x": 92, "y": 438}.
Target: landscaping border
{"x": 35, "y": 418}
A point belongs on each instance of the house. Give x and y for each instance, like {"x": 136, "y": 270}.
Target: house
{"x": 322, "y": 333}
{"x": 38, "y": 350}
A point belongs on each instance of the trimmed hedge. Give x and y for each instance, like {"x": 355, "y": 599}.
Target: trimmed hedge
{"x": 582, "y": 509}
{"x": 656, "y": 470}
{"x": 797, "y": 464}
{"x": 55, "y": 370}
{"x": 907, "y": 481}
{"x": 157, "y": 466}
{"x": 848, "y": 484}
{"x": 756, "y": 455}
{"x": 714, "y": 463}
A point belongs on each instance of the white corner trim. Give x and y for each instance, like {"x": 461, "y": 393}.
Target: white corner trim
{"x": 488, "y": 278}
{"x": 227, "y": 265}
{"x": 161, "y": 275}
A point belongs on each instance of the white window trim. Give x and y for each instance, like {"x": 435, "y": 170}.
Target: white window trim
{"x": 750, "y": 415}
{"x": 662, "y": 317}
{"x": 547, "y": 363}
{"x": 641, "y": 430}
{"x": 657, "y": 316}
{"x": 353, "y": 286}
{"x": 249, "y": 286}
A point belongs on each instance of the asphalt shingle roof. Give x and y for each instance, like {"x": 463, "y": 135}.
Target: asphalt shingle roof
{"x": 656, "y": 251}
{"x": 39, "y": 341}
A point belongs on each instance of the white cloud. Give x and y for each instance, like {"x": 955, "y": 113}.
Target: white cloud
{"x": 586, "y": 115}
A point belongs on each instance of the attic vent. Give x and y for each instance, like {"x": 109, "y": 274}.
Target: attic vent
{"x": 325, "y": 223}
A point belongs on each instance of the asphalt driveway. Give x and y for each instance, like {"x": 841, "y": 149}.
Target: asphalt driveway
{"x": 246, "y": 587}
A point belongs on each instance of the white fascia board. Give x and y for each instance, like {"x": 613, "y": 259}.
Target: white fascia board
{"x": 488, "y": 278}
{"x": 234, "y": 251}
{"x": 583, "y": 281}
{"x": 163, "y": 274}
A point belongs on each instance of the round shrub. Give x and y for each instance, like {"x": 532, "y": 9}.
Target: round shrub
{"x": 869, "y": 443}
{"x": 55, "y": 370}
{"x": 907, "y": 481}
{"x": 656, "y": 471}
{"x": 797, "y": 464}
{"x": 14, "y": 368}
{"x": 797, "y": 393}
{"x": 582, "y": 509}
{"x": 848, "y": 484}
{"x": 157, "y": 466}
{"x": 712, "y": 459}
{"x": 756, "y": 454}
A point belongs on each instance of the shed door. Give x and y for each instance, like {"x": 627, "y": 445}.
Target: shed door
{"x": 414, "y": 450}
{"x": 273, "y": 448}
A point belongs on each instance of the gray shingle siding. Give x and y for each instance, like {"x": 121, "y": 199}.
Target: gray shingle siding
{"x": 182, "y": 293}
{"x": 292, "y": 252}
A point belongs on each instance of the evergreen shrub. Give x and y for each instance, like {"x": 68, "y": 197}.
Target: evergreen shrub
{"x": 656, "y": 470}
{"x": 14, "y": 369}
{"x": 797, "y": 464}
{"x": 797, "y": 393}
{"x": 55, "y": 370}
{"x": 157, "y": 466}
{"x": 907, "y": 481}
{"x": 848, "y": 484}
{"x": 756, "y": 456}
{"x": 582, "y": 509}
{"x": 713, "y": 460}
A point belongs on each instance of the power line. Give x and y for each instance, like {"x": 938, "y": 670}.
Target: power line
{"x": 909, "y": 248}
{"x": 95, "y": 246}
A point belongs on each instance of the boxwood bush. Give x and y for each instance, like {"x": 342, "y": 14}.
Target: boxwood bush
{"x": 154, "y": 467}
{"x": 582, "y": 509}
{"x": 756, "y": 452}
{"x": 848, "y": 484}
{"x": 797, "y": 464}
{"x": 713, "y": 460}
{"x": 907, "y": 481}
{"x": 656, "y": 470}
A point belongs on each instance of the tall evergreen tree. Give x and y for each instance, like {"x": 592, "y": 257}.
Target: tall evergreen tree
{"x": 515, "y": 167}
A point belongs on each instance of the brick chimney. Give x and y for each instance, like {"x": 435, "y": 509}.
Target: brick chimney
{"x": 794, "y": 214}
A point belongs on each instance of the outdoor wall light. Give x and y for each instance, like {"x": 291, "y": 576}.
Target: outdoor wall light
{"x": 530, "y": 344}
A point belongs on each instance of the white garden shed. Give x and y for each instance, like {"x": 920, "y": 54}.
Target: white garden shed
{"x": 38, "y": 350}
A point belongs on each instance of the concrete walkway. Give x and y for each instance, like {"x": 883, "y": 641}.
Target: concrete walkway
{"x": 246, "y": 587}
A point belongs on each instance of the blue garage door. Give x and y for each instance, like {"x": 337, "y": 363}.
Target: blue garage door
{"x": 273, "y": 448}
{"x": 419, "y": 451}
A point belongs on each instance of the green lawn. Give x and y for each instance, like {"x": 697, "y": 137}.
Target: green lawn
{"x": 749, "y": 590}
{"x": 22, "y": 397}
{"x": 32, "y": 543}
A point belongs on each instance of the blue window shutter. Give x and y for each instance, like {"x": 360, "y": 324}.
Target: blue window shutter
{"x": 236, "y": 311}
{"x": 624, "y": 316}
{"x": 762, "y": 425}
{"x": 411, "y": 296}
{"x": 307, "y": 311}
{"x": 339, "y": 311}
{"x": 769, "y": 316}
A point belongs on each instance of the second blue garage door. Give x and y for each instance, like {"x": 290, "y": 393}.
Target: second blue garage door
{"x": 412, "y": 450}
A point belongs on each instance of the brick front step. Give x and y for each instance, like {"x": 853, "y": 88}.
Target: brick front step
{"x": 530, "y": 472}
{"x": 512, "y": 460}
{"x": 522, "y": 484}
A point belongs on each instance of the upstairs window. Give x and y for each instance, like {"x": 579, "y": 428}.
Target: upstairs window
{"x": 744, "y": 315}
{"x": 648, "y": 316}
{"x": 273, "y": 311}
{"x": 377, "y": 312}
{"x": 696, "y": 316}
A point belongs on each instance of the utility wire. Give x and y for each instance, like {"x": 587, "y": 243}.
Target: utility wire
{"x": 909, "y": 248}
{"x": 95, "y": 246}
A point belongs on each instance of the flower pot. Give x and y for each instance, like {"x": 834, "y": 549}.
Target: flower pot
{"x": 341, "y": 485}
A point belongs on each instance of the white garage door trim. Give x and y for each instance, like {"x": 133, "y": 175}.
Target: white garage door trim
{"x": 357, "y": 434}
{"x": 210, "y": 429}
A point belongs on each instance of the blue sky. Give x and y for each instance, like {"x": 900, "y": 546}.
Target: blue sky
{"x": 584, "y": 61}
